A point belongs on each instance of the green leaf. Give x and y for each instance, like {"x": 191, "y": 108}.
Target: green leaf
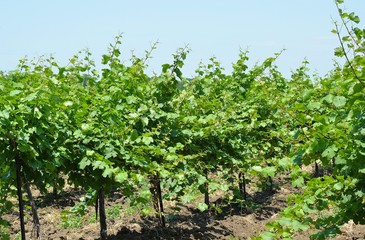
{"x": 339, "y": 101}
{"x": 201, "y": 179}
{"x": 147, "y": 140}
{"x": 121, "y": 177}
{"x": 190, "y": 119}
{"x": 340, "y": 161}
{"x": 310, "y": 200}
{"x": 68, "y": 103}
{"x": 14, "y": 92}
{"x": 299, "y": 182}
{"x": 267, "y": 236}
{"x": 202, "y": 207}
{"x": 99, "y": 165}
{"x": 4, "y": 114}
{"x": 119, "y": 107}
{"x": 110, "y": 153}
{"x": 187, "y": 132}
{"x": 164, "y": 173}
{"x": 214, "y": 186}
{"x": 30, "y": 97}
{"x": 362, "y": 131}
{"x": 178, "y": 73}
{"x": 144, "y": 121}
{"x": 133, "y": 115}
{"x": 85, "y": 127}
{"x": 37, "y": 113}
{"x": 84, "y": 163}
{"x": 114, "y": 89}
{"x": 171, "y": 157}
{"x": 107, "y": 98}
{"x": 78, "y": 134}
{"x": 257, "y": 168}
{"x": 328, "y": 98}
{"x": 134, "y": 135}
{"x": 105, "y": 59}
{"x": 90, "y": 152}
{"x": 354, "y": 18}
{"x": 330, "y": 152}
{"x": 338, "y": 186}
{"x": 165, "y": 67}
{"x": 298, "y": 226}
{"x": 314, "y": 105}
{"x": 339, "y": 52}
{"x": 131, "y": 99}
{"x": 108, "y": 172}
{"x": 116, "y": 52}
{"x": 269, "y": 171}
{"x": 189, "y": 197}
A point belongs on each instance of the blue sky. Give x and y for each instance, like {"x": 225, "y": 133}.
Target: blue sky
{"x": 211, "y": 28}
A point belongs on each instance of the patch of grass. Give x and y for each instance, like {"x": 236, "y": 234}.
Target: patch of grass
{"x": 4, "y": 234}
{"x": 71, "y": 220}
{"x": 75, "y": 216}
{"x": 114, "y": 212}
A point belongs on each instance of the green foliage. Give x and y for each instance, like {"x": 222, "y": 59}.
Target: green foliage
{"x": 327, "y": 129}
{"x": 75, "y": 216}
{"x": 113, "y": 213}
{"x": 123, "y": 129}
{"x": 71, "y": 220}
{"x": 4, "y": 233}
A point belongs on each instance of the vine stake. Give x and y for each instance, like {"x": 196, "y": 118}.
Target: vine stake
{"x": 102, "y": 219}
{"x": 18, "y": 163}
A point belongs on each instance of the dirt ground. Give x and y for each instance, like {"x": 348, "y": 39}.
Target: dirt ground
{"x": 189, "y": 223}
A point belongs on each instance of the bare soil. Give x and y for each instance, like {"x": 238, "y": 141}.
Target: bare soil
{"x": 232, "y": 223}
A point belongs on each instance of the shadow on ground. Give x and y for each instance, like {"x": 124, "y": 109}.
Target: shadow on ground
{"x": 193, "y": 224}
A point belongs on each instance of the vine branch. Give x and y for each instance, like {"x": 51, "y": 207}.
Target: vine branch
{"x": 347, "y": 58}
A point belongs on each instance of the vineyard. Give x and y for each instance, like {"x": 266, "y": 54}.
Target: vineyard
{"x": 119, "y": 133}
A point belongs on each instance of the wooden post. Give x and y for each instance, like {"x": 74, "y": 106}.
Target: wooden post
{"x": 161, "y": 211}
{"x": 18, "y": 164}
{"x": 102, "y": 219}
{"x": 36, "y": 223}
{"x": 242, "y": 185}
{"x": 206, "y": 194}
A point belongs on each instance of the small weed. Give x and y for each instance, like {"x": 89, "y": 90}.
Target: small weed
{"x": 71, "y": 220}
{"x": 113, "y": 213}
{"x": 4, "y": 234}
{"x": 75, "y": 216}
